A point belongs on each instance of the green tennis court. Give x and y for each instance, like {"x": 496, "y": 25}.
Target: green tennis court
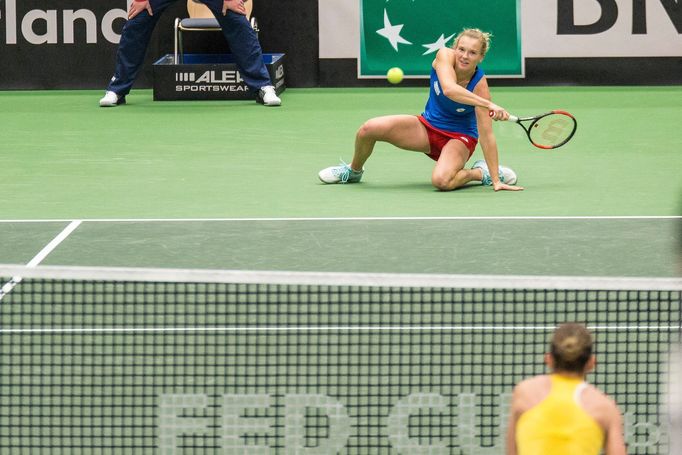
{"x": 519, "y": 246}
{"x": 66, "y": 159}
{"x": 144, "y": 365}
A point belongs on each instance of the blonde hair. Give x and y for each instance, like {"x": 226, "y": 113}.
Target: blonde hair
{"x": 475, "y": 33}
{"x": 571, "y": 347}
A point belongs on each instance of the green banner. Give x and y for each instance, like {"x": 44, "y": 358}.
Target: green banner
{"x": 408, "y": 33}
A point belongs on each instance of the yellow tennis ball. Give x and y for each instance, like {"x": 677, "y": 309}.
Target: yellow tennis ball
{"x": 395, "y": 75}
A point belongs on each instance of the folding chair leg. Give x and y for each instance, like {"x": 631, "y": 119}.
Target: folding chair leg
{"x": 175, "y": 46}
{"x": 180, "y": 48}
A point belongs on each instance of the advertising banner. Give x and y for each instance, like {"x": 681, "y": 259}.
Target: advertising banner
{"x": 68, "y": 43}
{"x": 56, "y": 43}
{"x": 209, "y": 77}
{"x": 604, "y": 28}
{"x": 408, "y": 33}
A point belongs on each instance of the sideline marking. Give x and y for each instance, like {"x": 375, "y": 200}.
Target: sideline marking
{"x": 38, "y": 258}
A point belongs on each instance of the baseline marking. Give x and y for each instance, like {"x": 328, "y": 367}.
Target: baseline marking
{"x": 371, "y": 218}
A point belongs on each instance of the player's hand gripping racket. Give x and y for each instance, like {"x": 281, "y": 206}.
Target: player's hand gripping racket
{"x": 548, "y": 131}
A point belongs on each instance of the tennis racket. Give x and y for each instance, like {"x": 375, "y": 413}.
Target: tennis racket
{"x": 548, "y": 131}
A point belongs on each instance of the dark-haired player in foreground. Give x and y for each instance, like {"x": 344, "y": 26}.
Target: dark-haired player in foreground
{"x": 559, "y": 413}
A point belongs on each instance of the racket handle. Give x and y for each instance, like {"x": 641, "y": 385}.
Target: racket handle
{"x": 512, "y": 118}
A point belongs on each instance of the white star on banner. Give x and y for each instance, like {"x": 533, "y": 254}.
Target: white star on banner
{"x": 440, "y": 43}
{"x": 392, "y": 33}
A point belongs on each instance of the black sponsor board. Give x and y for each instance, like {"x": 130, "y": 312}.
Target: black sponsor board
{"x": 209, "y": 77}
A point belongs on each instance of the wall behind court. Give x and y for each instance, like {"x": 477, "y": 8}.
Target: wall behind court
{"x": 72, "y": 43}
{"x": 46, "y": 44}
{"x": 66, "y": 43}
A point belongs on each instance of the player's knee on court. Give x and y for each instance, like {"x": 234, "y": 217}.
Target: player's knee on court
{"x": 442, "y": 181}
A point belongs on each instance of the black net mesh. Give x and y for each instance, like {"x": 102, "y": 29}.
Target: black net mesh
{"x": 91, "y": 367}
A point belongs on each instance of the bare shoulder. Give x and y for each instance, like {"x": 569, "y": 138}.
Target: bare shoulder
{"x": 532, "y": 385}
{"x": 598, "y": 397}
{"x": 446, "y": 52}
{"x": 529, "y": 392}
{"x": 600, "y": 406}
{"x": 535, "y": 381}
{"x": 445, "y": 55}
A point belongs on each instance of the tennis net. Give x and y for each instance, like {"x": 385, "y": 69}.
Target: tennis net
{"x": 156, "y": 361}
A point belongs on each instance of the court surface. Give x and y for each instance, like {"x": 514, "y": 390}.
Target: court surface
{"x": 233, "y": 185}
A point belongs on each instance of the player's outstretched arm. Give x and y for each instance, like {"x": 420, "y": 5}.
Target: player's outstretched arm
{"x": 615, "y": 443}
{"x": 488, "y": 142}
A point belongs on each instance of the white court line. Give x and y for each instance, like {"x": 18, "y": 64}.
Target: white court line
{"x": 449, "y": 328}
{"x": 369, "y": 218}
{"x": 38, "y": 258}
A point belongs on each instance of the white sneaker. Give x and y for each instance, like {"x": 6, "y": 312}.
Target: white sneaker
{"x": 507, "y": 175}
{"x": 268, "y": 96}
{"x": 111, "y": 99}
{"x": 340, "y": 174}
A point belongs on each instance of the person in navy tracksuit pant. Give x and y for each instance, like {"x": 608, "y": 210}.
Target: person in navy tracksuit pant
{"x": 231, "y": 15}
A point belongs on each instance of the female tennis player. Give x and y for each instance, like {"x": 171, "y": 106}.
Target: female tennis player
{"x": 560, "y": 413}
{"x": 458, "y": 114}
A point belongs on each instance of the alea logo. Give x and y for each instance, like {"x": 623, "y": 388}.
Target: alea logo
{"x": 210, "y": 77}
{"x": 49, "y": 25}
{"x": 210, "y": 81}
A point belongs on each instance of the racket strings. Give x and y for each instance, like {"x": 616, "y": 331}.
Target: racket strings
{"x": 552, "y": 130}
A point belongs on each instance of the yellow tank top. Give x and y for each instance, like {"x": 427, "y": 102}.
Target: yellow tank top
{"x": 558, "y": 425}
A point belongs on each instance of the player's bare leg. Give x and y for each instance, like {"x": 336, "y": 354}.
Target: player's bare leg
{"x": 449, "y": 172}
{"x": 403, "y": 131}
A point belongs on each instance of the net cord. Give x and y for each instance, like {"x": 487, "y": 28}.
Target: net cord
{"x": 400, "y": 280}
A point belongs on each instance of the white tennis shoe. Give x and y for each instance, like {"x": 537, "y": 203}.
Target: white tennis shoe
{"x": 111, "y": 99}
{"x": 507, "y": 175}
{"x": 268, "y": 96}
{"x": 340, "y": 174}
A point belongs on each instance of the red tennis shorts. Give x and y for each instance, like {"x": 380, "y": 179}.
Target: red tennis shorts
{"x": 438, "y": 139}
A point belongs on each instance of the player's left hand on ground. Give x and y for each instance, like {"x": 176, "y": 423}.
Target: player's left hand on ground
{"x": 234, "y": 5}
{"x": 137, "y": 6}
{"x": 497, "y": 186}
